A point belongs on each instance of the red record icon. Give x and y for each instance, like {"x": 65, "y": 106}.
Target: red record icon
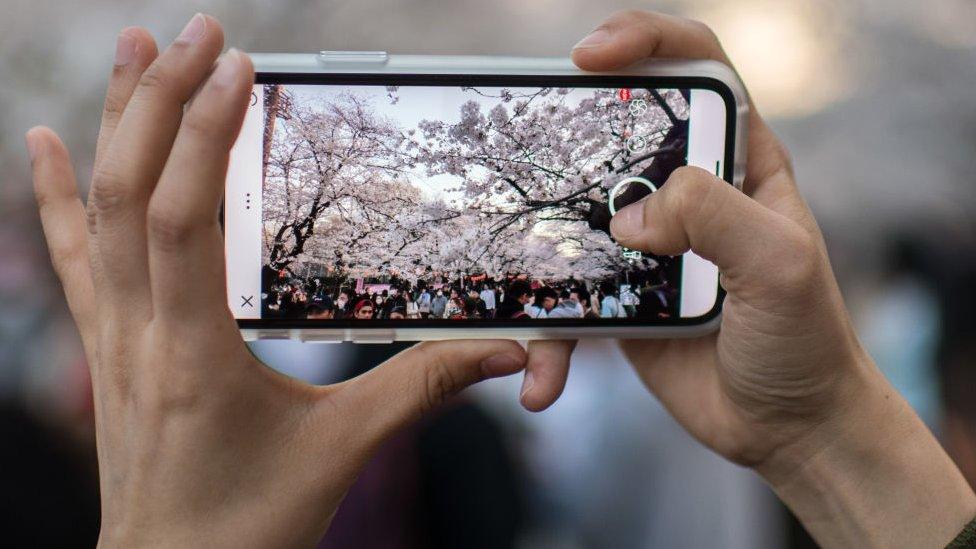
{"x": 624, "y": 94}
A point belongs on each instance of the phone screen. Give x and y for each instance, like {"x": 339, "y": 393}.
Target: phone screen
{"x": 463, "y": 200}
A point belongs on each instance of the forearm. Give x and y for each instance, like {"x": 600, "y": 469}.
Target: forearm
{"x": 881, "y": 479}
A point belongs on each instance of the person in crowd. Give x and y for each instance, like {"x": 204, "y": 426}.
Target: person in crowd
{"x": 410, "y": 306}
{"x": 545, "y": 300}
{"x": 455, "y": 305}
{"x": 567, "y": 306}
{"x": 272, "y": 303}
{"x": 518, "y": 294}
{"x": 610, "y": 306}
{"x": 394, "y": 300}
{"x": 480, "y": 305}
{"x": 574, "y": 296}
{"x": 423, "y": 302}
{"x": 320, "y": 309}
{"x": 317, "y": 290}
{"x": 344, "y": 302}
{"x": 398, "y": 312}
{"x": 590, "y": 310}
{"x": 473, "y": 308}
{"x": 487, "y": 296}
{"x": 653, "y": 300}
{"x": 438, "y": 305}
{"x": 364, "y": 310}
{"x": 629, "y": 300}
{"x": 287, "y": 306}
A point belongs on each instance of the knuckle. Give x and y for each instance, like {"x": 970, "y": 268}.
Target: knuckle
{"x": 65, "y": 257}
{"x": 440, "y": 383}
{"x": 649, "y": 27}
{"x": 168, "y": 229}
{"x": 179, "y": 395}
{"x": 709, "y": 38}
{"x": 110, "y": 194}
{"x": 703, "y": 29}
{"x": 200, "y": 125}
{"x": 155, "y": 80}
{"x": 163, "y": 81}
{"x": 689, "y": 191}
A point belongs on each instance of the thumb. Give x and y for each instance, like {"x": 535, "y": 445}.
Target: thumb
{"x": 413, "y": 382}
{"x": 753, "y": 246}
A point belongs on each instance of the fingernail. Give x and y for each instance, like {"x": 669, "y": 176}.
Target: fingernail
{"x": 225, "y": 74}
{"x": 527, "y": 384}
{"x": 594, "y": 39}
{"x": 499, "y": 365}
{"x": 628, "y": 221}
{"x": 193, "y": 30}
{"x": 125, "y": 49}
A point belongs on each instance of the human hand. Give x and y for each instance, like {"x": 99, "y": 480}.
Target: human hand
{"x": 198, "y": 442}
{"x": 784, "y": 385}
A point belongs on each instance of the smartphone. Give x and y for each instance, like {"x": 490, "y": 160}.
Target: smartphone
{"x": 374, "y": 197}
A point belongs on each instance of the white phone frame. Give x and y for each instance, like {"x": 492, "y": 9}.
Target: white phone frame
{"x": 356, "y": 62}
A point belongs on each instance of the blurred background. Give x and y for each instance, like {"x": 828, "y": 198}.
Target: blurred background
{"x": 875, "y": 99}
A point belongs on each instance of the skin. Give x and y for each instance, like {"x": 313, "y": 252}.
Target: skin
{"x": 784, "y": 386}
{"x": 200, "y": 444}
{"x": 197, "y": 440}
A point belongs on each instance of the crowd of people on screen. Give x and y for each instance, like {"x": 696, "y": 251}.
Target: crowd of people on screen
{"x": 515, "y": 297}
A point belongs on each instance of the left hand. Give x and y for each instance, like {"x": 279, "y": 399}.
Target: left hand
{"x": 199, "y": 443}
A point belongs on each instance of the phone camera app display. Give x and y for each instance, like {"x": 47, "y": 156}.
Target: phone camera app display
{"x": 435, "y": 203}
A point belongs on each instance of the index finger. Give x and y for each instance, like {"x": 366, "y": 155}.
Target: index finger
{"x": 630, "y": 36}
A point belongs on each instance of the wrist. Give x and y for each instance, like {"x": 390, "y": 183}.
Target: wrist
{"x": 872, "y": 474}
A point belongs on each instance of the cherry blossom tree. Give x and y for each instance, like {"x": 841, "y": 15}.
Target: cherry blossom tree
{"x": 333, "y": 182}
{"x": 541, "y": 155}
{"x": 532, "y": 170}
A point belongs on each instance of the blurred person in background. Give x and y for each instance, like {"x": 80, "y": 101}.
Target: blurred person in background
{"x": 450, "y": 480}
{"x": 901, "y": 327}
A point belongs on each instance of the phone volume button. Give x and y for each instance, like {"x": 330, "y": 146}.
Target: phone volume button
{"x": 330, "y": 57}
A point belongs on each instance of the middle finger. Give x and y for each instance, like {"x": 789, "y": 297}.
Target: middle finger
{"x": 130, "y": 168}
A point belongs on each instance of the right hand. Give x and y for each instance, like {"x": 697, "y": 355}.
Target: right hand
{"x": 786, "y": 353}
{"x": 784, "y": 385}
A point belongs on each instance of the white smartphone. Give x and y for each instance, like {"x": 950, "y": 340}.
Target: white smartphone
{"x": 374, "y": 197}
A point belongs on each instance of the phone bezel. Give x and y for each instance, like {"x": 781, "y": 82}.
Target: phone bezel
{"x": 380, "y": 67}
{"x": 511, "y": 80}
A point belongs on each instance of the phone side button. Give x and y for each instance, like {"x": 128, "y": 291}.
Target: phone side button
{"x": 380, "y": 336}
{"x": 317, "y": 336}
{"x": 272, "y": 334}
